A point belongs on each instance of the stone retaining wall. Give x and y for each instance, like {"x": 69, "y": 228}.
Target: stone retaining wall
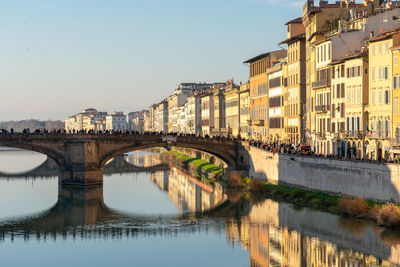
{"x": 375, "y": 181}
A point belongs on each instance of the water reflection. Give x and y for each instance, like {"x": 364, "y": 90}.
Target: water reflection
{"x": 277, "y": 235}
{"x": 171, "y": 208}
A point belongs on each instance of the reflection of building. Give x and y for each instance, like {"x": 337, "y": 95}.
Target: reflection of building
{"x": 191, "y": 195}
{"x": 143, "y": 159}
{"x": 267, "y": 233}
{"x": 161, "y": 179}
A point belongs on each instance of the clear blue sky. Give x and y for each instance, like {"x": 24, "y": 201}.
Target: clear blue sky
{"x": 58, "y": 57}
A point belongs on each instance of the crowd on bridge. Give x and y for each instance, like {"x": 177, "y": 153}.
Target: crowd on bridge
{"x": 279, "y": 148}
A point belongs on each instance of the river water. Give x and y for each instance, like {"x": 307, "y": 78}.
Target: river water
{"x": 164, "y": 217}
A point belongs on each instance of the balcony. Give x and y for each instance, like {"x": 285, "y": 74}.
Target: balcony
{"x": 320, "y": 84}
{"x": 395, "y": 141}
{"x": 379, "y": 135}
{"x": 321, "y": 109}
{"x": 322, "y": 78}
{"x": 258, "y": 123}
{"x": 354, "y": 134}
{"x": 249, "y": 122}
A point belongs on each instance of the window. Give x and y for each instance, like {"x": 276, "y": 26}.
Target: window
{"x": 373, "y": 97}
{"x": 348, "y": 96}
{"x": 380, "y": 97}
{"x": 395, "y": 106}
{"x": 380, "y": 73}
{"x": 338, "y": 91}
{"x": 342, "y": 87}
{"x": 329, "y": 51}
{"x": 395, "y": 61}
{"x": 359, "y": 95}
{"x": 373, "y": 50}
{"x": 386, "y": 47}
{"x": 386, "y": 73}
{"x": 386, "y": 97}
{"x": 373, "y": 74}
{"x": 394, "y": 82}
{"x": 379, "y": 49}
{"x": 358, "y": 123}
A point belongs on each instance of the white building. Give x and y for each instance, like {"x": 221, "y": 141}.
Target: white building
{"x": 116, "y": 121}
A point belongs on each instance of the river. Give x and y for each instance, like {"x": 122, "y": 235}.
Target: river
{"x": 164, "y": 217}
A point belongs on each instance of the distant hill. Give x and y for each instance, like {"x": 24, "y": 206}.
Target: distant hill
{"x": 31, "y": 124}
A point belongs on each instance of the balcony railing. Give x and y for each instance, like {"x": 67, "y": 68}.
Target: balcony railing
{"x": 321, "y": 108}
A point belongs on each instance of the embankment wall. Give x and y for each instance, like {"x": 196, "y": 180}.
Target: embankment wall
{"x": 375, "y": 181}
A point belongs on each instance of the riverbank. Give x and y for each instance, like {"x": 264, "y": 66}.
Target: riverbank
{"x": 201, "y": 169}
{"x": 384, "y": 214}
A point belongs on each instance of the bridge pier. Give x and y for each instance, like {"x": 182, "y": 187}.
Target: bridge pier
{"x": 82, "y": 167}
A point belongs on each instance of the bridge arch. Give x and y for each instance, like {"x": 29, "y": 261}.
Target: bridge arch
{"x": 54, "y": 154}
{"x": 228, "y": 158}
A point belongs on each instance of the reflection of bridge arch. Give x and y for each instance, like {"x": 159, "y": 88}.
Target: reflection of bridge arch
{"x": 49, "y": 168}
{"x": 81, "y": 211}
{"x": 81, "y": 158}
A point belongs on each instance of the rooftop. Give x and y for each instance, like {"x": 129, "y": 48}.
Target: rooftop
{"x": 261, "y": 56}
{"x": 295, "y": 21}
{"x": 294, "y": 38}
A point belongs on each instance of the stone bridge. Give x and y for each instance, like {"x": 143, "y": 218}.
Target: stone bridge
{"x": 81, "y": 157}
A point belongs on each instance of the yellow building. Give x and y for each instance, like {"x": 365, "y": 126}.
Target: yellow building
{"x": 275, "y": 102}
{"x": 244, "y": 110}
{"x": 338, "y": 121}
{"x": 295, "y": 95}
{"x": 318, "y": 20}
{"x": 380, "y": 95}
{"x": 259, "y": 66}
{"x": 232, "y": 109}
{"x": 395, "y": 142}
{"x": 321, "y": 96}
{"x": 357, "y": 90}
